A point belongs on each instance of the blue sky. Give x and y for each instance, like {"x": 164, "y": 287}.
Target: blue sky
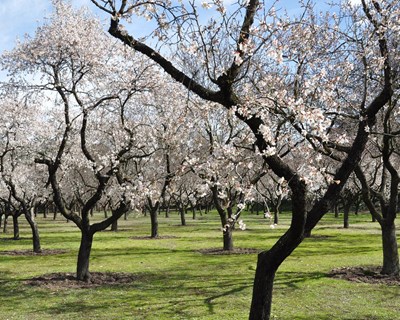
{"x": 18, "y": 17}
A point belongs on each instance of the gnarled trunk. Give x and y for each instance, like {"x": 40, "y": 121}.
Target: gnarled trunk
{"x": 82, "y": 272}
{"x": 390, "y": 249}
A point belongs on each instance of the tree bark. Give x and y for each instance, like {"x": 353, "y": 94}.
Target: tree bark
{"x": 346, "y": 211}
{"x": 228, "y": 239}
{"x": 390, "y": 249}
{"x": 5, "y": 224}
{"x": 336, "y": 209}
{"x": 82, "y": 272}
{"x": 35, "y": 233}
{"x": 262, "y": 289}
{"x": 154, "y": 223}
{"x": 114, "y": 226}
{"x": 16, "y": 226}
{"x": 183, "y": 218}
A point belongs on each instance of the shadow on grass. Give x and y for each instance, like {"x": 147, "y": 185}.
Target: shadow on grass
{"x": 292, "y": 280}
{"x": 210, "y": 300}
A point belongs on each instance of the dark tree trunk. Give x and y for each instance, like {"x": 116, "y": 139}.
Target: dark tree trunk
{"x": 35, "y": 233}
{"x": 262, "y": 291}
{"x": 105, "y": 214}
{"x": 16, "y": 226}
{"x": 346, "y": 211}
{"x": 336, "y": 209}
{"x": 114, "y": 226}
{"x": 228, "y": 239}
{"x": 5, "y": 224}
{"x": 390, "y": 249}
{"x": 193, "y": 213}
{"x": 229, "y": 209}
{"x": 82, "y": 272}
{"x": 183, "y": 218}
{"x": 167, "y": 211}
{"x": 276, "y": 217}
{"x": 1, "y": 219}
{"x": 357, "y": 207}
{"x": 154, "y": 223}
{"x": 268, "y": 263}
{"x": 55, "y": 214}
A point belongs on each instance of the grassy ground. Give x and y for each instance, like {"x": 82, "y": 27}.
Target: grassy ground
{"x": 176, "y": 281}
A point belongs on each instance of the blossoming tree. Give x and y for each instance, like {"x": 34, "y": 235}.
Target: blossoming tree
{"x": 89, "y": 103}
{"x": 287, "y": 78}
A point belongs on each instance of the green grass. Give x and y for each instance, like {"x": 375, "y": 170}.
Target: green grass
{"x": 175, "y": 281}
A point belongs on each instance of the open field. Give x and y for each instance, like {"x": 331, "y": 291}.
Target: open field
{"x": 176, "y": 281}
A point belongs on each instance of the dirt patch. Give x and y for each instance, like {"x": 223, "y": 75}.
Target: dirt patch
{"x": 150, "y": 238}
{"x": 369, "y": 274}
{"x": 58, "y": 281}
{"x": 44, "y": 252}
{"x": 218, "y": 251}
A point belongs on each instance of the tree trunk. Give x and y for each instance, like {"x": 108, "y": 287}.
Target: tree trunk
{"x": 357, "y": 208}
{"x": 154, "y": 223}
{"x": 194, "y": 213}
{"x": 346, "y": 210}
{"x": 183, "y": 218}
{"x": 167, "y": 211}
{"x": 307, "y": 234}
{"x": 262, "y": 289}
{"x": 82, "y": 272}
{"x": 336, "y": 209}
{"x": 35, "y": 233}
{"x": 5, "y": 224}
{"x": 228, "y": 239}
{"x": 16, "y": 226}
{"x": 276, "y": 217}
{"x": 114, "y": 226}
{"x": 390, "y": 249}
{"x": 1, "y": 219}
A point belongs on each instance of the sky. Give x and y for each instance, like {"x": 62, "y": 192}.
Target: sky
{"x": 18, "y": 17}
